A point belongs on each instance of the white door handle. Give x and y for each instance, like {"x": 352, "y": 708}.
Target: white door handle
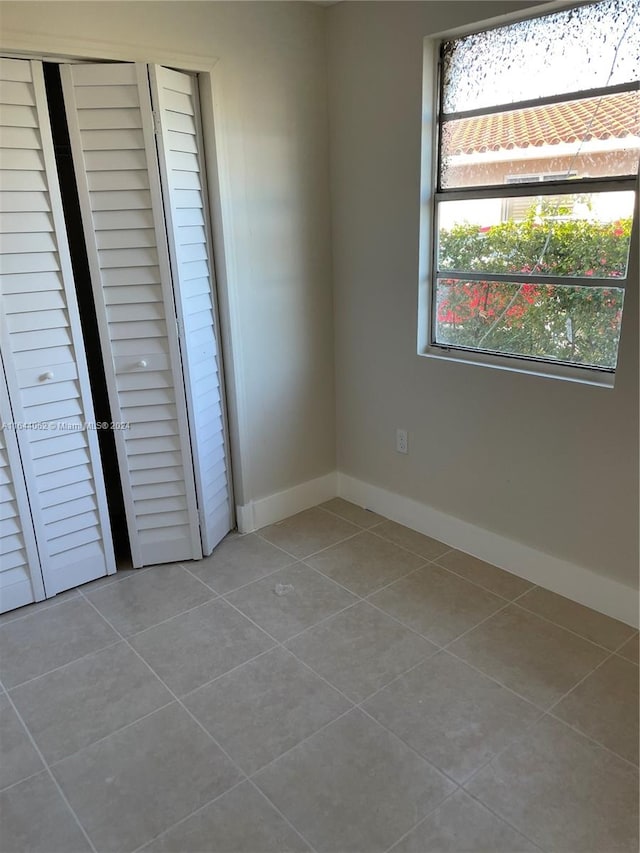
{"x": 141, "y": 364}
{"x": 47, "y": 375}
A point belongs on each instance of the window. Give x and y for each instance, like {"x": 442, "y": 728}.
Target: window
{"x": 537, "y": 161}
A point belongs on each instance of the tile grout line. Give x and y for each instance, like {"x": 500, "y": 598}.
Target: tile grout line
{"x": 304, "y": 630}
{"x": 546, "y": 712}
{"x": 583, "y": 679}
{"x": 300, "y": 742}
{"x": 243, "y": 775}
{"x": 542, "y": 711}
{"x": 434, "y": 561}
{"x": 445, "y": 648}
{"x": 352, "y": 592}
{"x": 495, "y": 680}
{"x": 408, "y": 746}
{"x": 282, "y": 815}
{"x": 115, "y": 731}
{"x": 49, "y": 772}
{"x": 20, "y": 781}
{"x": 49, "y": 603}
{"x": 525, "y": 733}
{"x": 448, "y": 797}
{"x": 632, "y": 662}
{"x": 438, "y": 646}
{"x": 362, "y": 600}
{"x": 226, "y": 672}
{"x": 367, "y": 599}
{"x": 63, "y": 665}
{"x": 373, "y": 592}
{"x": 550, "y": 710}
{"x": 516, "y": 739}
{"x": 505, "y": 820}
{"x": 569, "y": 630}
{"x": 248, "y": 583}
{"x": 212, "y": 600}
{"x": 482, "y": 586}
{"x": 310, "y": 627}
{"x": 375, "y": 532}
{"x": 592, "y": 740}
{"x": 186, "y": 818}
{"x": 354, "y": 705}
{"x": 281, "y": 644}
{"x": 356, "y": 523}
{"x": 177, "y": 699}
{"x": 486, "y": 619}
{"x": 421, "y": 821}
{"x": 320, "y": 550}
{"x": 237, "y": 535}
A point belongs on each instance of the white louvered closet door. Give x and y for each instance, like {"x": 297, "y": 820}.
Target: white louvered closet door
{"x": 41, "y": 340}
{"x": 112, "y": 139}
{"x": 20, "y": 572}
{"x": 175, "y": 100}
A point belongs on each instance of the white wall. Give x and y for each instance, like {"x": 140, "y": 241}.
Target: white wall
{"x": 550, "y": 464}
{"x": 272, "y": 124}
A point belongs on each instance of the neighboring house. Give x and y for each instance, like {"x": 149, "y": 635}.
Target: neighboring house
{"x": 580, "y": 138}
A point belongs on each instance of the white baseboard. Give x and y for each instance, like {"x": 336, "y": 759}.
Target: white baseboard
{"x": 259, "y": 513}
{"x": 569, "y": 579}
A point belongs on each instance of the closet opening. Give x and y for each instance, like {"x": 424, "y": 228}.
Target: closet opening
{"x": 108, "y": 316}
{"x": 87, "y": 311}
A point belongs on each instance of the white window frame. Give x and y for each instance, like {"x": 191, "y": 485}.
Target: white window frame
{"x": 431, "y": 195}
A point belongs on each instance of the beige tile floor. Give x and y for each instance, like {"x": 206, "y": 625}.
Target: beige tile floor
{"x": 335, "y": 682}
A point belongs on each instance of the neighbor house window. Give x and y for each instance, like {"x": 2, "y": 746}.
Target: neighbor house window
{"x": 516, "y": 208}
{"x": 538, "y": 146}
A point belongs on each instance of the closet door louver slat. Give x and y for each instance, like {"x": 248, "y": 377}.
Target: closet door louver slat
{"x": 42, "y": 343}
{"x": 111, "y": 128}
{"x": 20, "y": 572}
{"x": 175, "y": 97}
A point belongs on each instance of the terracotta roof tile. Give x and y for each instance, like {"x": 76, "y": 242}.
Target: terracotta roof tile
{"x": 612, "y": 116}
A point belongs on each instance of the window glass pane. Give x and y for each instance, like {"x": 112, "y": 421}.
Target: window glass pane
{"x": 578, "y": 325}
{"x": 567, "y": 51}
{"x": 589, "y": 138}
{"x": 578, "y": 234}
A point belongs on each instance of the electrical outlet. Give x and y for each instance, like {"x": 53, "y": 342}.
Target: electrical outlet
{"x": 402, "y": 441}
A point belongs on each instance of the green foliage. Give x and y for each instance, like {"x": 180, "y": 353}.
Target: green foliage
{"x": 574, "y": 324}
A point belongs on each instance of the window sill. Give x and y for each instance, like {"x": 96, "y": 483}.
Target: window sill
{"x": 547, "y": 370}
